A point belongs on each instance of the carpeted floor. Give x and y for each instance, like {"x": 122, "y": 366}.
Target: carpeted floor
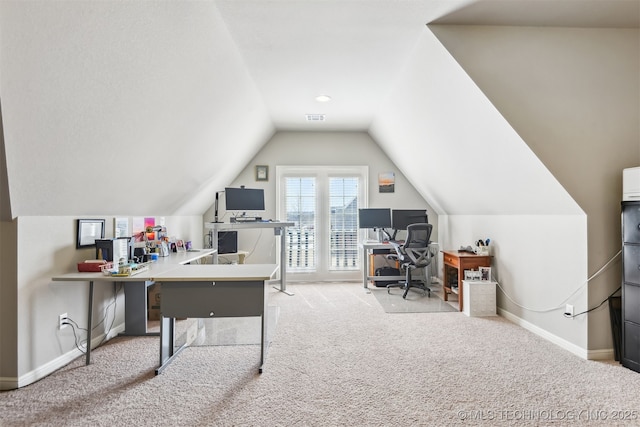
{"x": 337, "y": 359}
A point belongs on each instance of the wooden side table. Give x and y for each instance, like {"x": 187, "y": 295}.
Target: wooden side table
{"x": 460, "y": 261}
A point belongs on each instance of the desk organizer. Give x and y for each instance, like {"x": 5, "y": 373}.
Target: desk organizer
{"x": 126, "y": 270}
{"x": 481, "y": 250}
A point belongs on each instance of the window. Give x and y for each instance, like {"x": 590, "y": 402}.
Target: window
{"x": 300, "y": 201}
{"x": 323, "y": 204}
{"x": 343, "y": 213}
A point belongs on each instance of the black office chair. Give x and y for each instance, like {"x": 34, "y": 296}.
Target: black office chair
{"x": 413, "y": 253}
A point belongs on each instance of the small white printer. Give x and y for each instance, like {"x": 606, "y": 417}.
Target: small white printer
{"x": 631, "y": 184}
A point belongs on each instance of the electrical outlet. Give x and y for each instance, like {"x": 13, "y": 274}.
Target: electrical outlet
{"x": 568, "y": 310}
{"x": 61, "y": 321}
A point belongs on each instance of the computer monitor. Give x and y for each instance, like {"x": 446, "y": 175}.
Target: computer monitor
{"x": 401, "y": 218}
{"x": 374, "y": 217}
{"x": 244, "y": 199}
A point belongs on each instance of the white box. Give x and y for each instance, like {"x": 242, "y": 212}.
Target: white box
{"x": 479, "y": 298}
{"x": 631, "y": 184}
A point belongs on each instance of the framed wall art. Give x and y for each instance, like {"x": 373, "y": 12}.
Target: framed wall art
{"x": 88, "y": 230}
{"x": 262, "y": 173}
{"x": 386, "y": 182}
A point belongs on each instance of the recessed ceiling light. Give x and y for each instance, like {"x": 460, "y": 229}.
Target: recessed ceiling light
{"x": 323, "y": 98}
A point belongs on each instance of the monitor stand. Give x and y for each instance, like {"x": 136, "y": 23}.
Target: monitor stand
{"x": 246, "y": 219}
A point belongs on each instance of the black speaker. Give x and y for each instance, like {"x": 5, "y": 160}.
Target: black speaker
{"x": 227, "y": 242}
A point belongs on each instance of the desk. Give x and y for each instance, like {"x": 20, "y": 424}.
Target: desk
{"x": 367, "y": 247}
{"x": 460, "y": 261}
{"x": 207, "y": 291}
{"x": 278, "y": 230}
{"x": 135, "y": 294}
{"x": 240, "y": 255}
{"x": 135, "y": 291}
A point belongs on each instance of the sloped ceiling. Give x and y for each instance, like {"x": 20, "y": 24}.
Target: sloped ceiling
{"x": 123, "y": 107}
{"x": 150, "y": 107}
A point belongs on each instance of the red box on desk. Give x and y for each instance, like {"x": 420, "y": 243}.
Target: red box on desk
{"x": 92, "y": 266}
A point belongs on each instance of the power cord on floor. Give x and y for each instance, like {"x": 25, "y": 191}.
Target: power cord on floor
{"x": 76, "y": 328}
{"x": 561, "y": 305}
{"x": 569, "y": 316}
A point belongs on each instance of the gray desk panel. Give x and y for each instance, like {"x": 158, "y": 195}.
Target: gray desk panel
{"x": 212, "y": 299}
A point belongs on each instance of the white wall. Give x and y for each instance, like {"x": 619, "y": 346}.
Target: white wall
{"x": 487, "y": 180}
{"x": 539, "y": 262}
{"x": 577, "y": 109}
{"x": 324, "y": 149}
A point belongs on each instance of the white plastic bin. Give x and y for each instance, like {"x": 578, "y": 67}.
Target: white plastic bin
{"x": 479, "y": 298}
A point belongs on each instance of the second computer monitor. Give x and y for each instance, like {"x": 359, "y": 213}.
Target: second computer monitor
{"x": 401, "y": 218}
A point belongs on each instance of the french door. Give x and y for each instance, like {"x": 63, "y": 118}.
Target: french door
{"x": 323, "y": 204}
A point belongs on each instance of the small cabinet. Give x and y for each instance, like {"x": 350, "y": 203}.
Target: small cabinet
{"x": 631, "y": 285}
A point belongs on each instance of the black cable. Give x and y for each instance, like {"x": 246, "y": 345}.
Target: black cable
{"x": 113, "y": 318}
{"x": 112, "y": 303}
{"x": 74, "y": 325}
{"x": 591, "y": 309}
{"x": 75, "y": 335}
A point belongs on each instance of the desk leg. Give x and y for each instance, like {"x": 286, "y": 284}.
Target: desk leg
{"x": 460, "y": 278}
{"x": 167, "y": 342}
{"x": 264, "y": 341}
{"x": 135, "y": 309}
{"x": 283, "y": 261}
{"x": 89, "y": 324}
{"x": 445, "y": 285}
{"x": 365, "y": 269}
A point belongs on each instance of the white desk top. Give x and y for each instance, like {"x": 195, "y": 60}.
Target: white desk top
{"x": 156, "y": 268}
{"x": 222, "y": 272}
{"x": 241, "y": 225}
{"x": 179, "y": 258}
{"x": 374, "y": 244}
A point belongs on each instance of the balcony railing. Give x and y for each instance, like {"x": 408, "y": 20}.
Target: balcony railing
{"x": 301, "y": 249}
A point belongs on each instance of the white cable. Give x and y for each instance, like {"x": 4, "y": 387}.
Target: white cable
{"x": 560, "y": 306}
{"x": 255, "y": 245}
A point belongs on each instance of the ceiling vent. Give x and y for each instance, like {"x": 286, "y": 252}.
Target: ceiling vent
{"x": 315, "y": 117}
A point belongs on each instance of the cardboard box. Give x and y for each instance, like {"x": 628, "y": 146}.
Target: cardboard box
{"x": 153, "y": 305}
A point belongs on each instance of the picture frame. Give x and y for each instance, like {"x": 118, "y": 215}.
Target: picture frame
{"x": 88, "y": 230}
{"x": 386, "y": 182}
{"x": 121, "y": 227}
{"x": 472, "y": 275}
{"x": 180, "y": 246}
{"x": 485, "y": 273}
{"x": 262, "y": 173}
{"x": 164, "y": 249}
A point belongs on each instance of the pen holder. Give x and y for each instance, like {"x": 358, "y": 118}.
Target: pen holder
{"x": 482, "y": 250}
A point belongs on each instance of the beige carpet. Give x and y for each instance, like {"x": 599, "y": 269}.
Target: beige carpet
{"x": 337, "y": 359}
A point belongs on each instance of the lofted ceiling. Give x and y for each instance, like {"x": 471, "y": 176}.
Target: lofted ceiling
{"x": 354, "y": 51}
{"x": 102, "y": 98}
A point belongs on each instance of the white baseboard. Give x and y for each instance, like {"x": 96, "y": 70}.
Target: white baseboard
{"x": 602, "y": 354}
{"x": 10, "y": 383}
